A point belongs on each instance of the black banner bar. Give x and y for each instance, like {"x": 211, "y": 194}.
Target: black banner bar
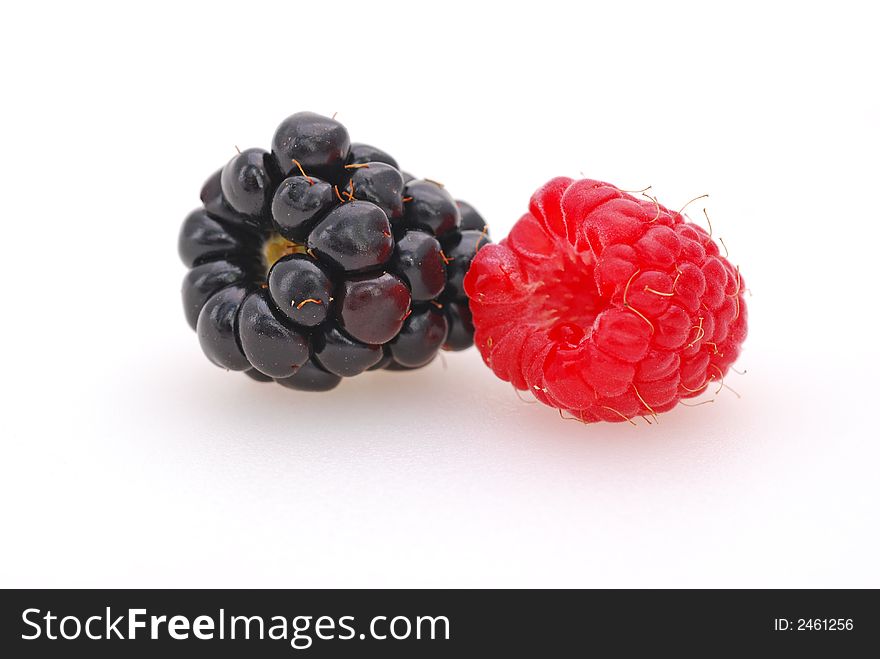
{"x": 432, "y": 623}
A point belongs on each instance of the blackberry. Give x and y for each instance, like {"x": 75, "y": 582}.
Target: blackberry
{"x": 431, "y": 208}
{"x": 321, "y": 260}
{"x": 353, "y": 236}
{"x": 256, "y": 375}
{"x": 381, "y": 184}
{"x": 298, "y": 203}
{"x": 364, "y": 153}
{"x": 202, "y": 238}
{"x": 342, "y": 355}
{"x": 461, "y": 326}
{"x": 461, "y": 247}
{"x": 206, "y": 279}
{"x": 246, "y": 182}
{"x": 216, "y": 206}
{"x": 311, "y": 377}
{"x": 301, "y": 289}
{"x": 217, "y": 328}
{"x": 309, "y": 142}
{"x": 270, "y": 342}
{"x": 422, "y": 335}
{"x": 471, "y": 220}
{"x": 372, "y": 308}
{"x": 419, "y": 259}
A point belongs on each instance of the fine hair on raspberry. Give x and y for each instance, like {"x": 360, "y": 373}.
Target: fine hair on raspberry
{"x": 606, "y": 305}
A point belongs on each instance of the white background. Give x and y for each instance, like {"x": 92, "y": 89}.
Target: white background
{"x": 129, "y": 460}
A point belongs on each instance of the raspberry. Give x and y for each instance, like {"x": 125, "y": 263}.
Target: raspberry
{"x": 605, "y": 305}
{"x": 322, "y": 260}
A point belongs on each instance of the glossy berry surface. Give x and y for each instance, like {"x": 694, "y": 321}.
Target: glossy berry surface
{"x": 461, "y": 326}
{"x": 246, "y": 182}
{"x": 354, "y": 236}
{"x": 364, "y": 153}
{"x": 471, "y": 220}
{"x": 460, "y": 252}
{"x": 268, "y": 340}
{"x": 381, "y": 184}
{"x": 422, "y": 335}
{"x": 217, "y": 328}
{"x": 216, "y": 206}
{"x": 321, "y": 260}
{"x": 254, "y": 374}
{"x": 310, "y": 377}
{"x": 385, "y": 361}
{"x": 301, "y": 289}
{"x": 202, "y": 238}
{"x": 206, "y": 279}
{"x": 298, "y": 203}
{"x": 419, "y": 259}
{"x": 372, "y": 309}
{"x": 431, "y": 207}
{"x": 312, "y": 143}
{"x": 342, "y": 355}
